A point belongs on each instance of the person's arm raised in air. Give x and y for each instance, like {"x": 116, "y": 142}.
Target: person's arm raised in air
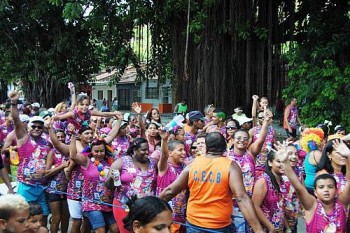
{"x": 113, "y": 133}
{"x": 307, "y": 200}
{"x": 76, "y": 156}
{"x": 163, "y": 161}
{"x": 137, "y": 108}
{"x": 61, "y": 147}
{"x": 73, "y": 96}
{"x": 177, "y": 186}
{"x": 341, "y": 148}
{"x": 20, "y": 131}
{"x": 254, "y": 108}
{"x": 244, "y": 202}
{"x": 256, "y": 147}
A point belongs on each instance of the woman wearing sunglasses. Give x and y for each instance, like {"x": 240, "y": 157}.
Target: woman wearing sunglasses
{"x": 231, "y": 127}
{"x": 244, "y": 155}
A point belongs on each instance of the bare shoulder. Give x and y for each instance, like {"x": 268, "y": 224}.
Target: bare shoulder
{"x": 43, "y": 230}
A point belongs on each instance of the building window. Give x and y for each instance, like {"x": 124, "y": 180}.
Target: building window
{"x": 100, "y": 94}
{"x": 152, "y": 93}
{"x": 136, "y": 95}
{"x": 165, "y": 92}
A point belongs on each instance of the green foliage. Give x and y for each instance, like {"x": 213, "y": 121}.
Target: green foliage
{"x": 319, "y": 66}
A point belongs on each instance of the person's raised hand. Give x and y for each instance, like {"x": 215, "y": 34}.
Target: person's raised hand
{"x": 136, "y": 107}
{"x": 119, "y": 115}
{"x": 281, "y": 151}
{"x": 163, "y": 134}
{"x": 13, "y": 96}
{"x": 341, "y": 148}
{"x": 255, "y": 97}
{"x": 267, "y": 114}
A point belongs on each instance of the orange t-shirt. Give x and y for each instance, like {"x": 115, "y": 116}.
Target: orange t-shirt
{"x": 210, "y": 201}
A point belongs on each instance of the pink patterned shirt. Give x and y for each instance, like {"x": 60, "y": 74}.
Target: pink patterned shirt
{"x": 59, "y": 181}
{"x": 95, "y": 189}
{"x": 179, "y": 202}
{"x": 32, "y": 160}
{"x": 324, "y": 223}
{"x": 136, "y": 182}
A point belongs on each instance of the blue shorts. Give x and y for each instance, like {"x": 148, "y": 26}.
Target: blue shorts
{"x": 99, "y": 219}
{"x": 34, "y": 193}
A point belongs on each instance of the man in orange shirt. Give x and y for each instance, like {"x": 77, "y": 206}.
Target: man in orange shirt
{"x": 213, "y": 180}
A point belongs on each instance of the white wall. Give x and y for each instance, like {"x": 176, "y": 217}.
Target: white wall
{"x": 103, "y": 88}
{"x": 153, "y": 83}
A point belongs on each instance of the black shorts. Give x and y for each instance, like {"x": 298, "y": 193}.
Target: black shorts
{"x": 51, "y": 197}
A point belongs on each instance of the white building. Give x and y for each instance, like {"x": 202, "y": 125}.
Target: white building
{"x": 129, "y": 90}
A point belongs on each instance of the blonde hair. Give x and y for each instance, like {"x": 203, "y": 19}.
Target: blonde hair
{"x": 59, "y": 107}
{"x": 10, "y": 204}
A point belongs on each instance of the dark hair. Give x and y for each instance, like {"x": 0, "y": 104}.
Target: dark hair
{"x": 202, "y": 135}
{"x": 325, "y": 162}
{"x": 152, "y": 123}
{"x": 84, "y": 128}
{"x": 325, "y": 176}
{"x": 270, "y": 157}
{"x": 7, "y": 113}
{"x": 149, "y": 115}
{"x": 144, "y": 210}
{"x": 234, "y": 120}
{"x": 173, "y": 144}
{"x": 136, "y": 144}
{"x": 59, "y": 131}
{"x": 82, "y": 97}
{"x": 215, "y": 143}
{"x": 324, "y": 128}
{"x": 241, "y": 130}
{"x": 34, "y": 209}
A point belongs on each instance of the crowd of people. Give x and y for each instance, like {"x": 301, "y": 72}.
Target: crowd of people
{"x": 113, "y": 172}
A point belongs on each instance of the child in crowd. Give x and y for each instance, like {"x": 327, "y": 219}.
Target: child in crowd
{"x": 81, "y": 113}
{"x": 170, "y": 166}
{"x": 14, "y": 212}
{"x": 35, "y": 217}
{"x": 258, "y": 106}
{"x": 326, "y": 212}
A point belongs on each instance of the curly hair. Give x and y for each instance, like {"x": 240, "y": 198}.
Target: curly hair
{"x": 312, "y": 138}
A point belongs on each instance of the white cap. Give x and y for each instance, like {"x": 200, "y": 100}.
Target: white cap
{"x": 36, "y": 119}
{"x": 243, "y": 120}
{"x": 24, "y": 118}
{"x": 36, "y": 105}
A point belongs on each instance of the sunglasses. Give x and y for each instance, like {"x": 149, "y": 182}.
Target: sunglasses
{"x": 37, "y": 127}
{"x": 231, "y": 127}
{"x": 193, "y": 147}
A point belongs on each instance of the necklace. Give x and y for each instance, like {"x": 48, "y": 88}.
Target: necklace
{"x": 102, "y": 170}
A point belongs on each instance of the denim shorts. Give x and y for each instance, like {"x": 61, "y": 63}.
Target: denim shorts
{"x": 99, "y": 219}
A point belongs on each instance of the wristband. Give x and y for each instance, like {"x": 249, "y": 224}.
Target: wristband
{"x": 13, "y": 104}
